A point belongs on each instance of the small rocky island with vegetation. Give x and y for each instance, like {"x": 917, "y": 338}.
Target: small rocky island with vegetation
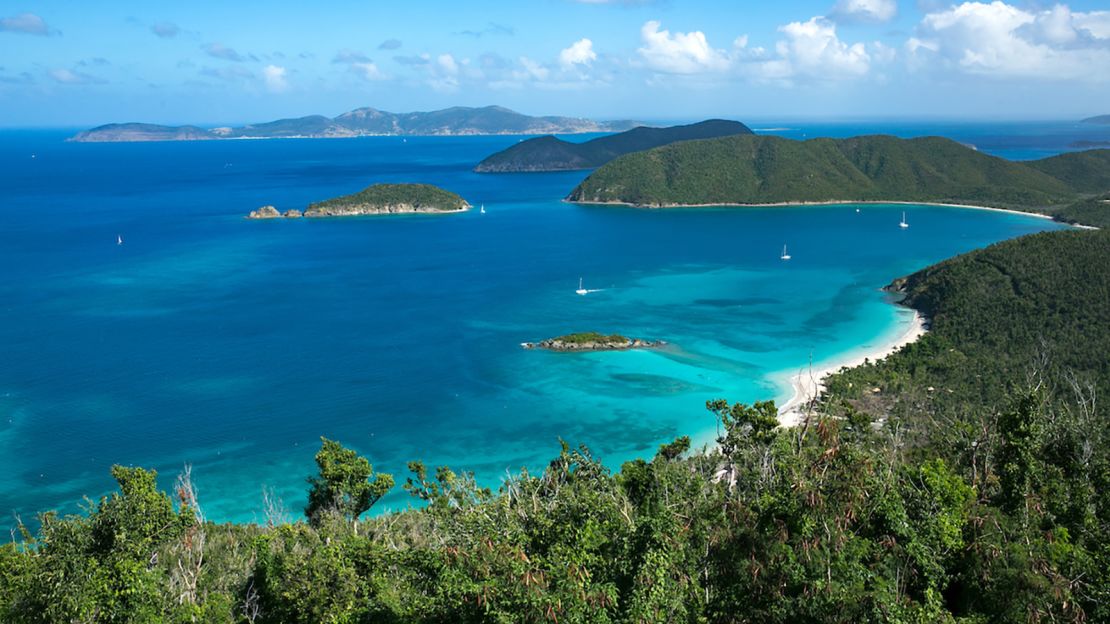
{"x": 593, "y": 341}
{"x": 375, "y": 200}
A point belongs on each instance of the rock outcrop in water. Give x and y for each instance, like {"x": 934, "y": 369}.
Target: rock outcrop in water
{"x": 265, "y": 212}
{"x": 592, "y": 341}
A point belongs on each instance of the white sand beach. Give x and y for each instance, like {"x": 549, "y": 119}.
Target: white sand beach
{"x": 808, "y": 382}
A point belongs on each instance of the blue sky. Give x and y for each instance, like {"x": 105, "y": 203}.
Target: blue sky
{"x": 65, "y": 63}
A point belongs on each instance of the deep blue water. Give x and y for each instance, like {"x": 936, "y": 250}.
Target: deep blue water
{"x": 234, "y": 345}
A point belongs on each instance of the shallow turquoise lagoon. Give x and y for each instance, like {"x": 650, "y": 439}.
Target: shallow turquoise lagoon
{"x": 234, "y": 345}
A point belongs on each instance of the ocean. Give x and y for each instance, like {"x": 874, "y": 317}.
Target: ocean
{"x": 234, "y": 345}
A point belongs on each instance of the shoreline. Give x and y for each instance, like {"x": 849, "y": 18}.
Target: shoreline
{"x": 838, "y": 202}
{"x": 808, "y": 383}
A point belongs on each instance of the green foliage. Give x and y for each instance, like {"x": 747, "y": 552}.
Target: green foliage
{"x": 766, "y": 169}
{"x": 549, "y": 153}
{"x": 585, "y": 337}
{"x": 1094, "y": 212}
{"x": 380, "y": 196}
{"x": 343, "y": 484}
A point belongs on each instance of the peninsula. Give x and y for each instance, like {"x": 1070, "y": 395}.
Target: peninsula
{"x": 549, "y": 153}
{"x": 1099, "y": 119}
{"x": 592, "y": 341}
{"x": 454, "y": 121}
{"x": 377, "y": 199}
{"x": 762, "y": 170}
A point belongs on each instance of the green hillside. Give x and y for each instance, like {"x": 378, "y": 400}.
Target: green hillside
{"x": 996, "y": 313}
{"x": 766, "y": 169}
{"x": 380, "y": 198}
{"x": 549, "y": 153}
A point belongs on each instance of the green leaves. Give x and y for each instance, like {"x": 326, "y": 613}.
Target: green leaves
{"x": 343, "y": 484}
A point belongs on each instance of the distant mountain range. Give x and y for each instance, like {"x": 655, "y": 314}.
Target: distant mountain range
{"x": 550, "y": 153}
{"x": 768, "y": 170}
{"x": 453, "y": 121}
{"x": 1101, "y": 119}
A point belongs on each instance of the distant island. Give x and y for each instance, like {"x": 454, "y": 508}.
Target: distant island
{"x": 376, "y": 200}
{"x": 455, "y": 121}
{"x": 549, "y": 153}
{"x": 754, "y": 170}
{"x": 592, "y": 341}
{"x": 1089, "y": 144}
{"x": 1100, "y": 119}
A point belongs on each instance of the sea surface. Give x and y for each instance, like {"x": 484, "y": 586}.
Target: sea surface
{"x": 233, "y": 345}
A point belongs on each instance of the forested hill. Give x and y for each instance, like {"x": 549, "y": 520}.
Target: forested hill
{"x": 972, "y": 487}
{"x": 995, "y": 315}
{"x": 550, "y": 153}
{"x": 766, "y": 169}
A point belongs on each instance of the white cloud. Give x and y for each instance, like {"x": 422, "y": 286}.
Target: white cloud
{"x": 1005, "y": 41}
{"x": 865, "y": 10}
{"x": 66, "y": 76}
{"x": 26, "y": 23}
{"x": 274, "y": 76}
{"x": 447, "y": 64}
{"x": 680, "y": 53}
{"x": 532, "y": 69}
{"x": 812, "y": 49}
{"x": 580, "y": 52}
{"x": 368, "y": 70}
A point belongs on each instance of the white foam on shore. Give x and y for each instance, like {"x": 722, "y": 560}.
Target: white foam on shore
{"x": 808, "y": 383}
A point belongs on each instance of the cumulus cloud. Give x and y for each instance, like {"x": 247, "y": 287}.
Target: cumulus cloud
{"x": 813, "y": 49}
{"x": 444, "y": 73}
{"x": 390, "y": 44}
{"x": 865, "y": 10}
{"x": 26, "y": 23}
{"x": 274, "y": 77}
{"x": 580, "y": 52}
{"x": 69, "y": 77}
{"x": 220, "y": 51}
{"x": 679, "y": 53}
{"x": 165, "y": 30}
{"x": 1004, "y": 41}
{"x": 368, "y": 71}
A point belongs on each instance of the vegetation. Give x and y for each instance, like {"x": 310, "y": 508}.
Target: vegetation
{"x": 1094, "y": 211}
{"x": 390, "y": 198}
{"x": 994, "y": 313}
{"x": 549, "y": 153}
{"x": 767, "y": 169}
{"x": 985, "y": 499}
{"x": 585, "y": 337}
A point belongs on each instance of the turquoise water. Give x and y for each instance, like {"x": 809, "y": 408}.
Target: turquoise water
{"x": 233, "y": 344}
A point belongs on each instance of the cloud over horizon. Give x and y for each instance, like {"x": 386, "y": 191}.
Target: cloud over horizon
{"x": 25, "y": 23}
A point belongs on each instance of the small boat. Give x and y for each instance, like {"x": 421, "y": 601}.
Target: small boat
{"x": 857, "y": 209}
{"x": 482, "y": 209}
{"x": 784, "y": 256}
{"x": 581, "y": 289}
{"x": 903, "y": 224}
{"x": 119, "y": 239}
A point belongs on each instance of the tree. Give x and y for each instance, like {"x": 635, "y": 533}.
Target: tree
{"x": 344, "y": 483}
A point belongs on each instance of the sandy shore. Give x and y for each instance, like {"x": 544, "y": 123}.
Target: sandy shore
{"x": 837, "y": 202}
{"x": 808, "y": 383}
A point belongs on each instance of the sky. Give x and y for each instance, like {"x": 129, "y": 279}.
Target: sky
{"x": 70, "y": 64}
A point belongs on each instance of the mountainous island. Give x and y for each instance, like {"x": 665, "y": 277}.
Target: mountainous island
{"x": 548, "y": 153}
{"x": 377, "y": 199}
{"x": 454, "y": 121}
{"x": 592, "y": 341}
{"x": 1100, "y": 119}
{"x": 750, "y": 169}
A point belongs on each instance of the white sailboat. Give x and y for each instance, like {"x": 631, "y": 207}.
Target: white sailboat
{"x": 482, "y": 209}
{"x": 903, "y": 224}
{"x": 119, "y": 239}
{"x": 581, "y": 289}
{"x": 784, "y": 256}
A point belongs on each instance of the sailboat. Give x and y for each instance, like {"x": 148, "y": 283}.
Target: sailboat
{"x": 482, "y": 209}
{"x": 784, "y": 256}
{"x": 119, "y": 239}
{"x": 903, "y": 224}
{"x": 581, "y": 289}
